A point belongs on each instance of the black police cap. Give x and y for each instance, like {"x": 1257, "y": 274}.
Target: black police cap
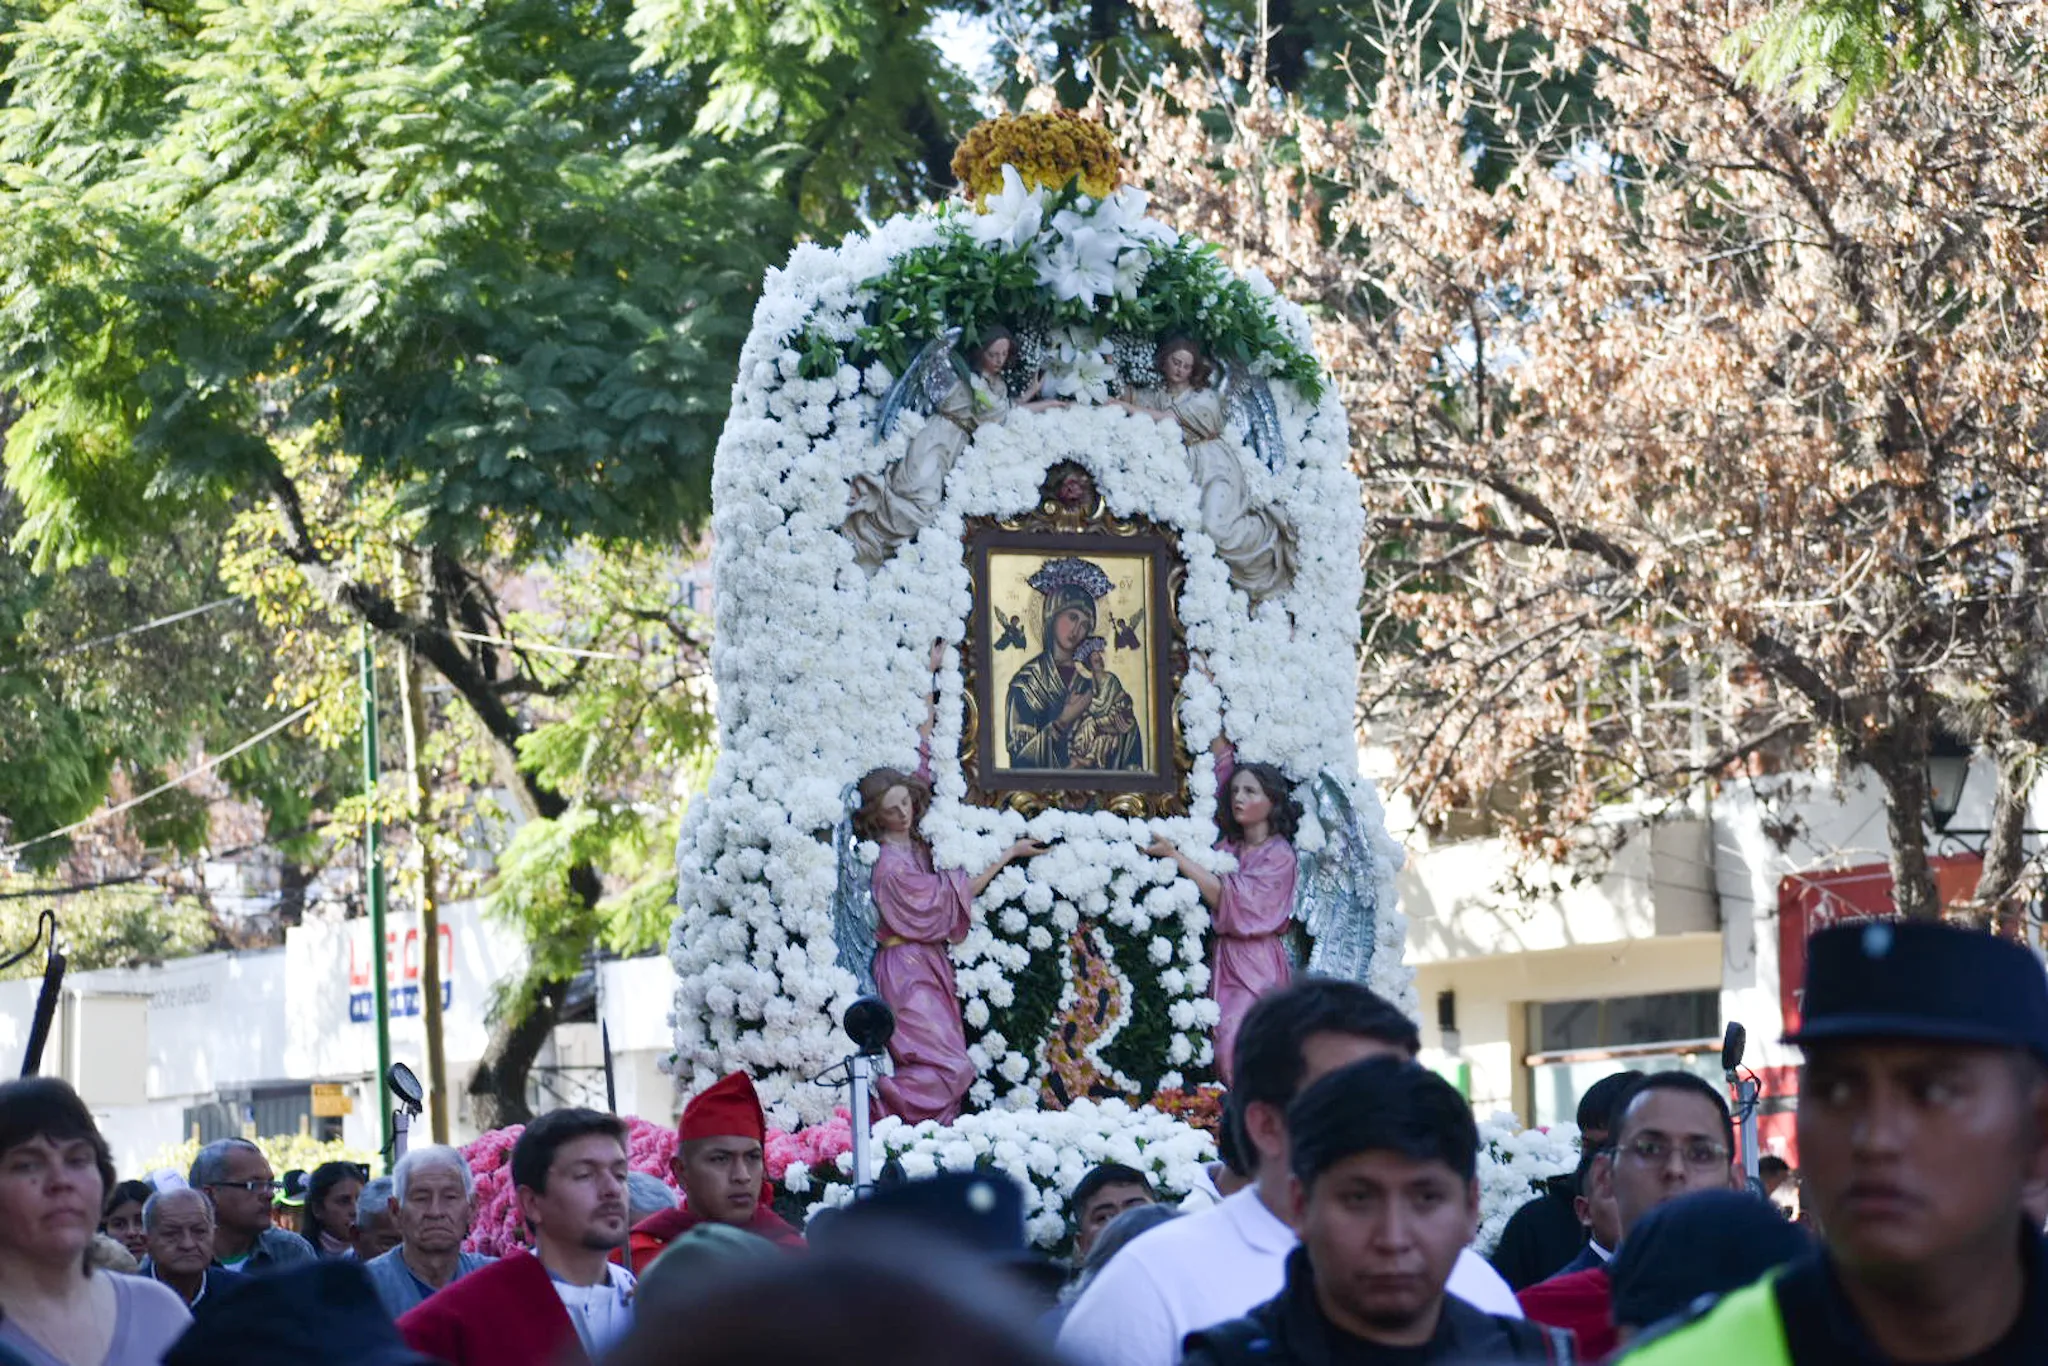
{"x": 1918, "y": 979}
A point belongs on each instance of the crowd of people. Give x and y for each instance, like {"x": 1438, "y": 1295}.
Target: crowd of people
{"x": 1334, "y": 1229}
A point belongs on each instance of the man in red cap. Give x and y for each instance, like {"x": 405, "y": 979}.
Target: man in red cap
{"x": 719, "y": 1166}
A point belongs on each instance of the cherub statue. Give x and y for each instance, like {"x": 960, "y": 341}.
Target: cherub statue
{"x": 1256, "y": 542}
{"x": 883, "y": 513}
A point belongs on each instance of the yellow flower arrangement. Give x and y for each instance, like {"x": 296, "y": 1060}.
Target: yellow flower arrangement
{"x": 1048, "y": 150}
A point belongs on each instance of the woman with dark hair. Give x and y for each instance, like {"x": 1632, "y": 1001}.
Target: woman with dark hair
{"x": 921, "y": 909}
{"x": 55, "y": 1308}
{"x": 1249, "y": 909}
{"x": 328, "y": 1220}
{"x": 123, "y": 1219}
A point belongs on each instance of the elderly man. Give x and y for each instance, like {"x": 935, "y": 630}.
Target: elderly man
{"x": 235, "y": 1175}
{"x": 436, "y": 1198}
{"x": 177, "y": 1228}
{"x": 376, "y": 1220}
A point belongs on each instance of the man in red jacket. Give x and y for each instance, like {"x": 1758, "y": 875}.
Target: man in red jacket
{"x": 1672, "y": 1136}
{"x": 563, "y": 1302}
{"x": 719, "y": 1165}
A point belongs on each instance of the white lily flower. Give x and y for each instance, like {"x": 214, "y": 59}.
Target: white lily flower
{"x": 1124, "y": 212}
{"x": 1079, "y": 265}
{"x": 1130, "y": 272}
{"x": 1012, "y": 217}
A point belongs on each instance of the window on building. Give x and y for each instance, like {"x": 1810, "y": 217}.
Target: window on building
{"x": 1573, "y": 1044}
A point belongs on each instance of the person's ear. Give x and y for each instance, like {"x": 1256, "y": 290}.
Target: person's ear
{"x": 675, "y": 1167}
{"x": 529, "y": 1202}
{"x": 1582, "y": 1210}
{"x": 1472, "y": 1201}
{"x": 1265, "y": 1124}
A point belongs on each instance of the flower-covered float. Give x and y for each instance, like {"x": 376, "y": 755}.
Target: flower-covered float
{"x": 1032, "y": 503}
{"x": 1037, "y": 548}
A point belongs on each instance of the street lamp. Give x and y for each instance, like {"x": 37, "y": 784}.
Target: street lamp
{"x": 1948, "y": 768}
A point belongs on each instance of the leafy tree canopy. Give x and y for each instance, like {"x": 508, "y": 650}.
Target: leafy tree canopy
{"x": 466, "y": 248}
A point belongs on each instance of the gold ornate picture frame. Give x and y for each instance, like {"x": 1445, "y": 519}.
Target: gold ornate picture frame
{"x": 1079, "y": 714}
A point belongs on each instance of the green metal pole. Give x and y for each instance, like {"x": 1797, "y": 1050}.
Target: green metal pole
{"x": 373, "y": 873}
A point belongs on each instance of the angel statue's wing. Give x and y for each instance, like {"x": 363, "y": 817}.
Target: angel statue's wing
{"x": 853, "y": 899}
{"x": 1138, "y": 620}
{"x": 922, "y": 384}
{"x": 1249, "y": 400}
{"x": 1336, "y": 897}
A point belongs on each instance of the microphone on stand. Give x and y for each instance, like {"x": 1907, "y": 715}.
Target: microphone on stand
{"x": 870, "y": 1024}
{"x": 1733, "y": 1044}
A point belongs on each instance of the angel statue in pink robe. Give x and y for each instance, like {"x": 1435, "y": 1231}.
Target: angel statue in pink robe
{"x": 1249, "y": 909}
{"x": 919, "y": 910}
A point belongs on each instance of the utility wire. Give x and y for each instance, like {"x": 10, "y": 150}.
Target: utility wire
{"x": 547, "y": 649}
{"x": 8, "y": 851}
{"x": 126, "y": 880}
{"x": 118, "y": 635}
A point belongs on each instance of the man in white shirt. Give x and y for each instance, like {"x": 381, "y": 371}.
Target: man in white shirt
{"x": 1220, "y": 1263}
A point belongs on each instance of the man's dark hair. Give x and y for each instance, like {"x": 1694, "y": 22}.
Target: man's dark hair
{"x": 1673, "y": 1080}
{"x": 1705, "y": 1243}
{"x": 1230, "y": 1144}
{"x": 1268, "y": 1060}
{"x": 1582, "y": 1175}
{"x": 1597, "y": 1105}
{"x": 1771, "y": 1165}
{"x": 535, "y": 1150}
{"x": 1381, "y": 1105}
{"x": 1095, "y": 1182}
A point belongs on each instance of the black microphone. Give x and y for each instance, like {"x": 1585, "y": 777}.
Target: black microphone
{"x": 1732, "y": 1044}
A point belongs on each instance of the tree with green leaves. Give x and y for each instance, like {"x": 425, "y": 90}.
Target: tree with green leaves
{"x": 123, "y": 678}
{"x": 1836, "y": 54}
{"x": 419, "y": 298}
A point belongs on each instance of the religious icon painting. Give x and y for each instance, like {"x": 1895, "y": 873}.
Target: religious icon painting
{"x": 1075, "y": 660}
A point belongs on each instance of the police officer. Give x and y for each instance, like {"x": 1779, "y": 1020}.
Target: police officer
{"x": 1923, "y": 1115}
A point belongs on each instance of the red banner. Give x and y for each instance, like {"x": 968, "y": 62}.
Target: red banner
{"x": 1808, "y": 903}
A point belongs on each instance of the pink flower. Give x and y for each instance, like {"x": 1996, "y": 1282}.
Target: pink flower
{"x": 498, "y": 1228}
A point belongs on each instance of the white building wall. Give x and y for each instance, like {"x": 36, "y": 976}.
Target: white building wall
{"x": 144, "y": 1044}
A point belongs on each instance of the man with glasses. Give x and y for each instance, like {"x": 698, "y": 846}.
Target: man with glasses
{"x": 235, "y": 1176}
{"x": 1672, "y": 1135}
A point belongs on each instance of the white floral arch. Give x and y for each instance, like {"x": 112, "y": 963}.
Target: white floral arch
{"x": 822, "y": 673}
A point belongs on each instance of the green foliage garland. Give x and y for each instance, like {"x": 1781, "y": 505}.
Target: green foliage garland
{"x": 957, "y": 282}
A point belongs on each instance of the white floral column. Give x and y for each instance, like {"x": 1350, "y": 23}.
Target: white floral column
{"x": 822, "y": 672}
